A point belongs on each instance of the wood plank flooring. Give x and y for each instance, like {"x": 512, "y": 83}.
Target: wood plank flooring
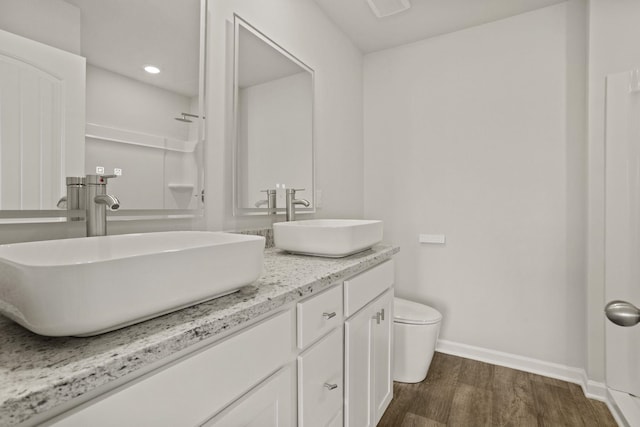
{"x": 467, "y": 393}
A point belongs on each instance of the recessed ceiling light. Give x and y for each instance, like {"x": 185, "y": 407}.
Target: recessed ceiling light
{"x": 151, "y": 69}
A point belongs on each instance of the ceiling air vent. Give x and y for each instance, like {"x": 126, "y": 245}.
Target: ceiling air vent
{"x": 383, "y": 8}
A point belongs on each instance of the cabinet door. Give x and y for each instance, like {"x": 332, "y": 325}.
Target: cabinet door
{"x": 358, "y": 368}
{"x": 382, "y": 354}
{"x": 320, "y": 381}
{"x": 270, "y": 404}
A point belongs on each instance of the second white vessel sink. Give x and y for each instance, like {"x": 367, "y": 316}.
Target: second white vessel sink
{"x": 327, "y": 237}
{"x": 91, "y": 285}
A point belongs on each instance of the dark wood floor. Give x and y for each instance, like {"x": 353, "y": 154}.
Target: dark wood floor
{"x": 467, "y": 393}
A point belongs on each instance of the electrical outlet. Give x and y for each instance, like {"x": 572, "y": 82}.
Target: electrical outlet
{"x": 117, "y": 171}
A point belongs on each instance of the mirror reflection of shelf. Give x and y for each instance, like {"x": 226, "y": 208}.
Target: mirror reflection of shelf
{"x": 165, "y": 167}
{"x": 112, "y": 134}
{"x": 180, "y": 187}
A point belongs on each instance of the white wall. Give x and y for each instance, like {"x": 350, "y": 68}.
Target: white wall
{"x": 479, "y": 135}
{"x": 276, "y": 128}
{"x": 614, "y": 31}
{"x": 125, "y": 103}
{"x": 302, "y": 28}
{"x": 57, "y": 22}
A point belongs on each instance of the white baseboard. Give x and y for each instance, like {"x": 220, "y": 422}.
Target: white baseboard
{"x": 624, "y": 408}
{"x": 591, "y": 389}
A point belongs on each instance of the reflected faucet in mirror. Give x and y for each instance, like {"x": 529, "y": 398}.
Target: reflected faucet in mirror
{"x": 75, "y": 198}
{"x": 270, "y": 201}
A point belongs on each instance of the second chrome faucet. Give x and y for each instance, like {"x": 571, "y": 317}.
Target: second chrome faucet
{"x": 292, "y": 202}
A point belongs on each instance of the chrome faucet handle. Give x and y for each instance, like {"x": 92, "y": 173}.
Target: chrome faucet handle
{"x": 99, "y": 179}
{"x": 106, "y": 177}
{"x": 270, "y": 191}
{"x": 293, "y": 191}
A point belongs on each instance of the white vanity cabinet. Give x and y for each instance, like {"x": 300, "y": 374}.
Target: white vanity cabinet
{"x": 369, "y": 346}
{"x": 301, "y": 366}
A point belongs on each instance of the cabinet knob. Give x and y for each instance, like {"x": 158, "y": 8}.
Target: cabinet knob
{"x": 331, "y": 386}
{"x": 329, "y": 315}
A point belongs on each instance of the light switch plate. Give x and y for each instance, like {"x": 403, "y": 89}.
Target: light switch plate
{"x": 439, "y": 239}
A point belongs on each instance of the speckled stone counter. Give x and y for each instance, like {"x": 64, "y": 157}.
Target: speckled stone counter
{"x": 39, "y": 373}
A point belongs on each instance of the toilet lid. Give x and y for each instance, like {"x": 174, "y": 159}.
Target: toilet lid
{"x": 414, "y": 313}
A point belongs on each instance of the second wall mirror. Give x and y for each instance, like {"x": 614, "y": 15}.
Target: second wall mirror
{"x": 273, "y": 126}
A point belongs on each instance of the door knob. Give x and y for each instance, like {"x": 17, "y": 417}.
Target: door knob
{"x": 622, "y": 313}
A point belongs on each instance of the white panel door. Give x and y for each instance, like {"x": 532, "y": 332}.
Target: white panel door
{"x": 358, "y": 369}
{"x": 42, "y": 118}
{"x": 622, "y": 244}
{"x": 382, "y": 354}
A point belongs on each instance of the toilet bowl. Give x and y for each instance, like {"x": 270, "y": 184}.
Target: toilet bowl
{"x": 416, "y": 328}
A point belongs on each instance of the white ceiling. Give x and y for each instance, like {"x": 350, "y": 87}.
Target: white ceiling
{"x": 124, "y": 35}
{"x": 425, "y": 18}
{"x": 259, "y": 62}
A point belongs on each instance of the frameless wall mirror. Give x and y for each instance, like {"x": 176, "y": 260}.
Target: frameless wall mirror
{"x": 102, "y": 87}
{"x": 273, "y": 132}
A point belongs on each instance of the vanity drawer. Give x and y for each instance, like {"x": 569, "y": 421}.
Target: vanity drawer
{"x": 318, "y": 315}
{"x": 320, "y": 381}
{"x": 194, "y": 388}
{"x": 364, "y": 287}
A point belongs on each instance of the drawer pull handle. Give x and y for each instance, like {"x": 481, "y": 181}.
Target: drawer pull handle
{"x": 377, "y": 317}
{"x": 329, "y": 315}
{"x": 331, "y": 386}
{"x": 382, "y": 314}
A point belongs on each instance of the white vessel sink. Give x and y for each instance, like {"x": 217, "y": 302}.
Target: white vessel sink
{"x": 327, "y": 237}
{"x": 91, "y": 285}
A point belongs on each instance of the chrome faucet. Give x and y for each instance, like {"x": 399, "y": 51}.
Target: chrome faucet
{"x": 75, "y": 198}
{"x": 292, "y": 202}
{"x": 97, "y": 202}
{"x": 270, "y": 201}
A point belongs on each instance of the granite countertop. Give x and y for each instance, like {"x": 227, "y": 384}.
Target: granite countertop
{"x": 38, "y": 373}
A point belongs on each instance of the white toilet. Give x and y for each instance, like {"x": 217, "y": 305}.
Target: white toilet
{"x": 416, "y": 327}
